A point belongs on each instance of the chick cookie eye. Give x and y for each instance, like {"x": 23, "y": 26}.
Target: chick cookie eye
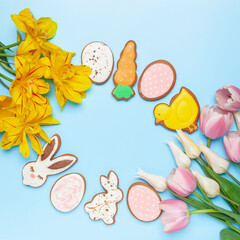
{"x": 40, "y": 177}
{"x": 31, "y": 169}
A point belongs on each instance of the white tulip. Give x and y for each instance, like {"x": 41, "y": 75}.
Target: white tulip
{"x": 210, "y": 186}
{"x": 182, "y": 160}
{"x": 191, "y": 149}
{"x": 218, "y": 164}
{"x": 157, "y": 182}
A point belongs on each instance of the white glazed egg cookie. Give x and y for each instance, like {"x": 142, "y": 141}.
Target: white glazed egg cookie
{"x": 99, "y": 57}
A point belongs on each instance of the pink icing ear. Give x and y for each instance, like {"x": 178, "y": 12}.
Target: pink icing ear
{"x": 157, "y": 80}
{"x": 143, "y": 202}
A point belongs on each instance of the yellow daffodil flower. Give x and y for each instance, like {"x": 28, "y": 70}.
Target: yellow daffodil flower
{"x": 27, "y": 88}
{"x": 5, "y": 112}
{"x": 71, "y": 81}
{"x": 19, "y": 127}
{"x": 37, "y": 33}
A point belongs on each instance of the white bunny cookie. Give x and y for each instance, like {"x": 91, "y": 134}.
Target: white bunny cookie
{"x": 104, "y": 205}
{"x": 35, "y": 173}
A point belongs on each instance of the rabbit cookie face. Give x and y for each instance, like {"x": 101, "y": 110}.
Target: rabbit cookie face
{"x": 35, "y": 173}
{"x": 104, "y": 205}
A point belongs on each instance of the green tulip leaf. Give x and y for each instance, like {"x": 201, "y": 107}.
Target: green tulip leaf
{"x": 200, "y": 206}
{"x": 228, "y": 234}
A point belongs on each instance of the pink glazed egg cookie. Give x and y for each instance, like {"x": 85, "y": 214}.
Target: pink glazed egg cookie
{"x": 68, "y": 191}
{"x": 143, "y": 202}
{"x": 157, "y": 80}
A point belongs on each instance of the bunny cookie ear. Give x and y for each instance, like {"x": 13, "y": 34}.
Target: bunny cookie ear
{"x": 112, "y": 176}
{"x": 50, "y": 149}
{"x": 110, "y": 181}
{"x": 61, "y": 163}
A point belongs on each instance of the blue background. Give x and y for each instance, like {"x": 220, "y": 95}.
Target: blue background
{"x": 201, "y": 40}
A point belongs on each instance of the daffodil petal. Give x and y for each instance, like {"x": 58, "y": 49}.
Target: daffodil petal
{"x": 36, "y": 145}
{"x": 44, "y": 136}
{"x": 46, "y": 25}
{"x": 6, "y": 143}
{"x": 24, "y": 148}
{"x": 60, "y": 97}
{"x": 49, "y": 121}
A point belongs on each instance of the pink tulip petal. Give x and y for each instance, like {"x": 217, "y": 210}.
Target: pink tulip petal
{"x": 179, "y": 224}
{"x": 227, "y": 147}
{"x": 172, "y": 205}
{"x": 232, "y": 146}
{"x": 228, "y": 98}
{"x": 168, "y": 217}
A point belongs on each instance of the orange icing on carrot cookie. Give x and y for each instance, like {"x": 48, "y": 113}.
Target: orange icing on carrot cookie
{"x": 125, "y": 76}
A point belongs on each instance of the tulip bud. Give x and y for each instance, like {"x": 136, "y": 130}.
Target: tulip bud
{"x": 181, "y": 181}
{"x": 232, "y": 146}
{"x": 218, "y": 164}
{"x": 214, "y": 122}
{"x": 182, "y": 160}
{"x": 228, "y": 98}
{"x": 237, "y": 119}
{"x": 210, "y": 186}
{"x": 176, "y": 215}
{"x": 157, "y": 182}
{"x": 191, "y": 149}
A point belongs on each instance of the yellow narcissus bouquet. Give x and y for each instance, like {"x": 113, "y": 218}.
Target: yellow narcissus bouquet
{"x": 36, "y": 60}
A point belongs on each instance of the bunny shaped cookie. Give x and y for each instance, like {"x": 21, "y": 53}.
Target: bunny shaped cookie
{"x": 35, "y": 173}
{"x": 104, "y": 205}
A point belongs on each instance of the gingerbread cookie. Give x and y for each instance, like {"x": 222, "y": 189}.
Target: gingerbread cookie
{"x": 143, "y": 202}
{"x": 125, "y": 76}
{"x": 35, "y": 173}
{"x": 157, "y": 80}
{"x": 67, "y": 192}
{"x": 182, "y": 113}
{"x": 104, "y": 205}
{"x": 99, "y": 57}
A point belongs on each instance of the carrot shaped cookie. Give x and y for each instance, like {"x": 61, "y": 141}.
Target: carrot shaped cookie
{"x": 125, "y": 77}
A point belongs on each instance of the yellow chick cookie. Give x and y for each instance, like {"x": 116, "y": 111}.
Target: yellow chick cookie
{"x": 182, "y": 113}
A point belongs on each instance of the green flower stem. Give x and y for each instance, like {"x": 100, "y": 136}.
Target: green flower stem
{"x": 204, "y": 211}
{"x": 200, "y": 197}
{"x": 8, "y": 68}
{"x": 6, "y": 62}
{"x": 232, "y": 227}
{"x": 10, "y": 46}
{"x": 7, "y": 55}
{"x": 6, "y": 78}
{"x": 222, "y": 210}
{"x": 203, "y": 192}
{"x": 232, "y": 177}
{"x": 209, "y": 142}
{"x": 228, "y": 199}
{"x": 1, "y": 82}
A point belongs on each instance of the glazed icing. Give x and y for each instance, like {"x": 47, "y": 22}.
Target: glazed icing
{"x": 68, "y": 192}
{"x": 157, "y": 80}
{"x": 98, "y": 56}
{"x": 144, "y": 203}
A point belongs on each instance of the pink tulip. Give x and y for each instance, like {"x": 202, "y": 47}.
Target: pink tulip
{"x": 181, "y": 181}
{"x": 232, "y": 146}
{"x": 214, "y": 122}
{"x": 228, "y": 98}
{"x": 176, "y": 215}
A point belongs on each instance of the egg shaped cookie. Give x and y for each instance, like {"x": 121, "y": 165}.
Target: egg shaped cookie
{"x": 67, "y": 192}
{"x": 99, "y": 57}
{"x": 143, "y": 202}
{"x": 157, "y": 80}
